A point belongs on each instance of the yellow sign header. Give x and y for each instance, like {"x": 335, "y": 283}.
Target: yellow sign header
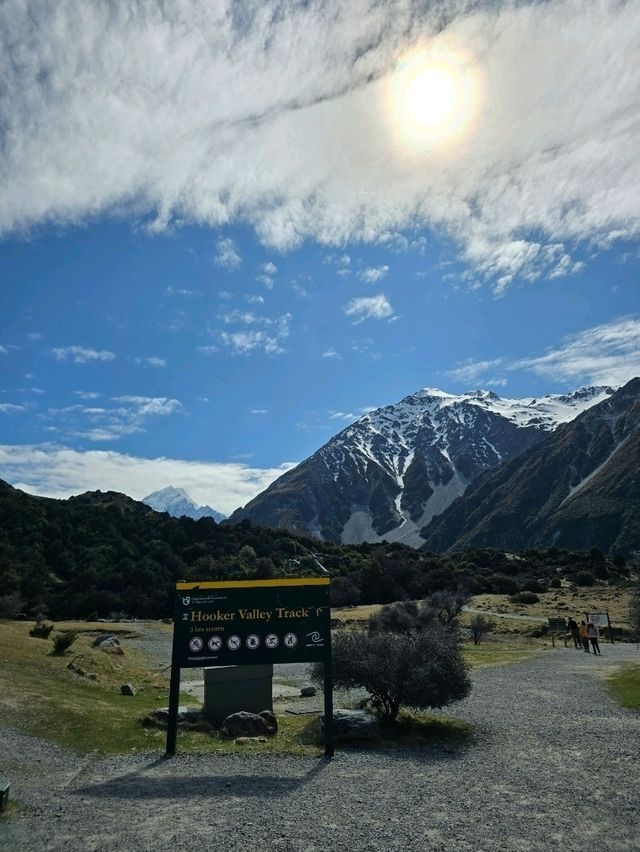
{"x": 252, "y": 584}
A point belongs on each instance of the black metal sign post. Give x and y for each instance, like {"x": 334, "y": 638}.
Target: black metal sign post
{"x": 251, "y": 622}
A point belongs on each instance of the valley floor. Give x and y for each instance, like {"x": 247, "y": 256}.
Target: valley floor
{"x": 553, "y": 765}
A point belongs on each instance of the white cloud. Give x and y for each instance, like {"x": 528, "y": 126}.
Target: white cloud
{"x": 152, "y": 361}
{"x": 259, "y": 411}
{"x": 341, "y": 415}
{"x": 265, "y": 280}
{"x": 373, "y": 273}
{"x": 81, "y": 355}
{"x": 129, "y": 416}
{"x": 331, "y": 353}
{"x": 369, "y": 307}
{"x": 255, "y": 299}
{"x": 3, "y": 350}
{"x": 10, "y": 408}
{"x": 86, "y": 394}
{"x": 269, "y": 268}
{"x": 227, "y": 255}
{"x": 268, "y": 339}
{"x": 207, "y": 350}
{"x": 55, "y": 471}
{"x": 187, "y": 112}
{"x": 471, "y": 371}
{"x": 607, "y": 354}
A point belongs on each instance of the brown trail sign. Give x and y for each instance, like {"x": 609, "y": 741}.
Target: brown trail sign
{"x": 251, "y": 622}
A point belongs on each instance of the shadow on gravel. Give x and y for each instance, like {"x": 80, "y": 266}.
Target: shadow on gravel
{"x": 137, "y": 785}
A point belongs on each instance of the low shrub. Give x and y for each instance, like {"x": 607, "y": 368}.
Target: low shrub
{"x": 555, "y": 583}
{"x": 41, "y": 630}
{"x": 62, "y": 642}
{"x": 584, "y": 578}
{"x": 524, "y": 598}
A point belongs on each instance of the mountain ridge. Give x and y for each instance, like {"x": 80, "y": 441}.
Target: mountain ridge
{"x": 387, "y": 475}
{"x": 179, "y": 504}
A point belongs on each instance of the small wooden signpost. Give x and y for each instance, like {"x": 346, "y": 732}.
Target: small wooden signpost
{"x": 557, "y": 625}
{"x": 251, "y": 622}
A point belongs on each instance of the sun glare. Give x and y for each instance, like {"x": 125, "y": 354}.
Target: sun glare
{"x": 434, "y": 96}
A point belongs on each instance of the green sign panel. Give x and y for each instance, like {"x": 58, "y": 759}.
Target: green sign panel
{"x": 252, "y": 622}
{"x": 557, "y": 625}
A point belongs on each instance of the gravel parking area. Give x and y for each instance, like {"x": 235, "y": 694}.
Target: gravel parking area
{"x": 554, "y": 765}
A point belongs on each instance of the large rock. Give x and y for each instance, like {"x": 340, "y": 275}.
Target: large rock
{"x": 308, "y": 691}
{"x": 244, "y": 724}
{"x": 127, "y": 689}
{"x": 185, "y": 714}
{"x": 355, "y": 725}
{"x": 110, "y": 644}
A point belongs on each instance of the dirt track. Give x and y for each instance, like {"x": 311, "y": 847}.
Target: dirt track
{"x": 554, "y": 766}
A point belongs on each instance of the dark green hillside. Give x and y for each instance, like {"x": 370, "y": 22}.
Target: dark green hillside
{"x": 103, "y": 553}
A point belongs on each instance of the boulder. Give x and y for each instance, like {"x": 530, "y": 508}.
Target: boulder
{"x": 185, "y": 714}
{"x": 308, "y": 691}
{"x": 127, "y": 689}
{"x": 244, "y": 724}
{"x": 107, "y": 638}
{"x": 270, "y": 718}
{"x": 355, "y": 725}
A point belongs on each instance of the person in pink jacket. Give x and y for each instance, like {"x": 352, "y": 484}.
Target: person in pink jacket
{"x": 593, "y": 635}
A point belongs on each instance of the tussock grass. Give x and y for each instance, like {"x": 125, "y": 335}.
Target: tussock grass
{"x": 624, "y": 686}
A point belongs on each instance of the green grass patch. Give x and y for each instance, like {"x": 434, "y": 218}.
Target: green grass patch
{"x": 40, "y": 696}
{"x": 498, "y": 653}
{"x": 413, "y": 729}
{"x": 624, "y": 686}
{"x": 14, "y": 808}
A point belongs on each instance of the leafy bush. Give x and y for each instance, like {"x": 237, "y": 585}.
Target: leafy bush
{"x": 554, "y": 583}
{"x": 41, "y": 630}
{"x": 584, "y": 578}
{"x": 401, "y": 617}
{"x": 421, "y": 669}
{"x": 62, "y": 642}
{"x": 524, "y": 598}
{"x": 10, "y": 606}
{"x": 501, "y": 585}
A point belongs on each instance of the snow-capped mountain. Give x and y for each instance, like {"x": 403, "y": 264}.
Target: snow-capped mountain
{"x": 387, "y": 475}
{"x": 578, "y": 487}
{"x": 177, "y": 502}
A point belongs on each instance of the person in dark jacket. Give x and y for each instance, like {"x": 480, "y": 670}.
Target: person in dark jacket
{"x": 572, "y": 624}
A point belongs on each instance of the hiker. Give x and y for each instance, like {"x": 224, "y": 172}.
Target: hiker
{"x": 593, "y": 634}
{"x": 572, "y": 624}
{"x": 583, "y": 636}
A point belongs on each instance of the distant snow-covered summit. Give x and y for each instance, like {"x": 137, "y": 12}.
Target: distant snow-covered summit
{"x": 397, "y": 467}
{"x": 177, "y": 503}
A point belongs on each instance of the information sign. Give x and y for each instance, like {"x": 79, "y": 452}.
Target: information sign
{"x": 599, "y": 618}
{"x": 251, "y": 622}
{"x": 557, "y": 625}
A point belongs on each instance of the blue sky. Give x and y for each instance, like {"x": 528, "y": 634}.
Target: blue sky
{"x": 181, "y": 283}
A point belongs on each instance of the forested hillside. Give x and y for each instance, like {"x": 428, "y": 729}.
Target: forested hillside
{"x": 104, "y": 553}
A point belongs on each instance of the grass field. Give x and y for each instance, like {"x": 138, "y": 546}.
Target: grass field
{"x": 624, "y": 686}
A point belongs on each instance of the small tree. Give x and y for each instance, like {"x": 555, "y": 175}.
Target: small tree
{"x": 449, "y": 605}
{"x": 421, "y": 669}
{"x": 402, "y": 617}
{"x": 479, "y": 626}
{"x": 41, "y": 630}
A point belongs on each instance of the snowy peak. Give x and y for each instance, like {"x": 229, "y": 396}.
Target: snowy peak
{"x": 387, "y": 475}
{"x": 176, "y": 502}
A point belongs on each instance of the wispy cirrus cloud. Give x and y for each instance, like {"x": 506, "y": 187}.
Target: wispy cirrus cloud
{"x": 11, "y": 408}
{"x": 185, "y": 113}
{"x": 81, "y": 354}
{"x": 152, "y": 361}
{"x": 332, "y": 355}
{"x": 108, "y": 422}
{"x": 607, "y": 354}
{"x": 369, "y": 307}
{"x": 54, "y": 471}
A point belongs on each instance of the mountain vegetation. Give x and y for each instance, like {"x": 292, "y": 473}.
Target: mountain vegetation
{"x": 102, "y": 553}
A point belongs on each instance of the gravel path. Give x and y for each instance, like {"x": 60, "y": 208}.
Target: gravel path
{"x": 554, "y": 766}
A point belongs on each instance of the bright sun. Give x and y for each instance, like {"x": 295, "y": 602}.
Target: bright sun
{"x": 434, "y": 95}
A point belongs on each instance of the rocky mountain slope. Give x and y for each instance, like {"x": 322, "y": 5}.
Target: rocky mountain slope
{"x": 392, "y": 471}
{"x": 577, "y": 487}
{"x": 178, "y": 504}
